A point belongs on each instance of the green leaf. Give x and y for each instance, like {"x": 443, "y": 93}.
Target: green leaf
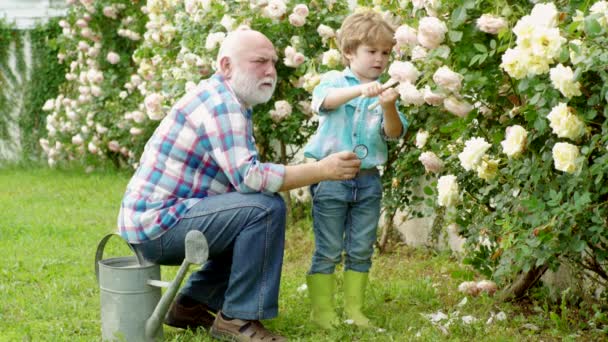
{"x": 459, "y": 16}
{"x": 592, "y": 26}
{"x": 428, "y": 190}
{"x": 480, "y": 47}
{"x": 455, "y": 36}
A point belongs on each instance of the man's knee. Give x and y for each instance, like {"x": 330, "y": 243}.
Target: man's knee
{"x": 275, "y": 204}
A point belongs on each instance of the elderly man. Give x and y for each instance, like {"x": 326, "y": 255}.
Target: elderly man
{"x": 200, "y": 171}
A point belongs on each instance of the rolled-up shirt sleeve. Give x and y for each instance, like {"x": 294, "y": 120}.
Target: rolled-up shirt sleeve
{"x": 232, "y": 147}
{"x": 330, "y": 80}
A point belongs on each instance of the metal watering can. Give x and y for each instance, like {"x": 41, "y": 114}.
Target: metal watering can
{"x": 132, "y": 308}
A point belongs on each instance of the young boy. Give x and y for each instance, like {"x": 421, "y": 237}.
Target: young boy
{"x": 346, "y": 213}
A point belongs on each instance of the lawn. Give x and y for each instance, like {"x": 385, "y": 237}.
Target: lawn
{"x": 52, "y": 221}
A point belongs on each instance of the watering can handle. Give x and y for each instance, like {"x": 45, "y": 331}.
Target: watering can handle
{"x": 101, "y": 246}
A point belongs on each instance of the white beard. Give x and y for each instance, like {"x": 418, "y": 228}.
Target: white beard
{"x": 249, "y": 89}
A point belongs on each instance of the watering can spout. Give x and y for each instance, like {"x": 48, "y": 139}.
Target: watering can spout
{"x": 196, "y": 252}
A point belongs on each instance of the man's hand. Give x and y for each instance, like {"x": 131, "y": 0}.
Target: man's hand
{"x": 340, "y": 165}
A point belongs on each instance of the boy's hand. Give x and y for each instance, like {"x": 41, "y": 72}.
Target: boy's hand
{"x": 371, "y": 89}
{"x": 388, "y": 97}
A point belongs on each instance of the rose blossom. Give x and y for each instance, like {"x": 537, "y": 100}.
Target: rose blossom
{"x": 564, "y": 123}
{"x": 418, "y": 52}
{"x": 515, "y": 141}
{"x": 113, "y": 57}
{"x": 421, "y": 137}
{"x": 403, "y": 72}
{"x": 487, "y": 168}
{"x": 447, "y": 191}
{"x": 114, "y": 146}
{"x": 410, "y": 95}
{"x": 492, "y": 24}
{"x": 448, "y": 79}
{"x": 564, "y": 157}
{"x": 331, "y": 58}
{"x": 275, "y": 9}
{"x": 406, "y": 35}
{"x": 281, "y": 111}
{"x": 431, "y": 32}
{"x": 297, "y": 20}
{"x": 562, "y": 78}
{"x": 431, "y": 162}
{"x": 457, "y": 107}
{"x": 474, "y": 149}
{"x": 301, "y": 10}
{"x": 431, "y": 98}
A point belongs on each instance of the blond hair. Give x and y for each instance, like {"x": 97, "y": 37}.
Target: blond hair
{"x": 368, "y": 27}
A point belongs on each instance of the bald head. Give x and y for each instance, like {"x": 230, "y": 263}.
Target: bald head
{"x": 238, "y": 44}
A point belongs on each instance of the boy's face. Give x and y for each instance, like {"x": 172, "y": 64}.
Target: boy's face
{"x": 369, "y": 61}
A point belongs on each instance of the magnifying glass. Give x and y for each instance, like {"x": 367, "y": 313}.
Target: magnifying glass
{"x": 361, "y": 151}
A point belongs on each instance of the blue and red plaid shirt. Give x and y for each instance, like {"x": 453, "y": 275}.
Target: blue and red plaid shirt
{"x": 204, "y": 147}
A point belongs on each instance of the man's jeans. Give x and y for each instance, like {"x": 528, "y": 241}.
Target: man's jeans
{"x": 345, "y": 218}
{"x": 246, "y": 236}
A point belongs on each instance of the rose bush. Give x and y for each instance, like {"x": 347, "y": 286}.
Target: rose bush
{"x": 506, "y": 99}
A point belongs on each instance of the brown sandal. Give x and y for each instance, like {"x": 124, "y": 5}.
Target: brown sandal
{"x": 242, "y": 331}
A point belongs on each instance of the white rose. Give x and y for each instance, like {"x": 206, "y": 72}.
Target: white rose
{"x": 325, "y": 32}
{"x": 564, "y": 123}
{"x": 457, "y": 107}
{"x": 447, "y": 189}
{"x": 421, "y": 138}
{"x": 410, "y": 95}
{"x": 297, "y": 20}
{"x": 331, "y": 58}
{"x": 565, "y": 157}
{"x": 228, "y": 22}
{"x": 281, "y": 110}
{"x": 153, "y": 102}
{"x": 487, "y": 168}
{"x": 431, "y": 162}
{"x": 474, "y": 149}
{"x": 492, "y": 24}
{"x": 600, "y": 8}
{"x": 431, "y": 98}
{"x": 406, "y": 35}
{"x": 515, "y": 62}
{"x": 431, "y": 32}
{"x": 301, "y": 10}
{"x": 545, "y": 15}
{"x": 403, "y": 72}
{"x": 515, "y": 141}
{"x": 77, "y": 139}
{"x": 562, "y": 78}
{"x": 448, "y": 79}
{"x": 214, "y": 39}
{"x": 275, "y": 9}
{"x": 418, "y": 52}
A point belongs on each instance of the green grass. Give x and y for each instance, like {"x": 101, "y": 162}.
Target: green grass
{"x": 52, "y": 220}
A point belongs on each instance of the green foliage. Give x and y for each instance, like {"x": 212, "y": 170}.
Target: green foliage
{"x": 46, "y": 75}
{"x": 8, "y": 35}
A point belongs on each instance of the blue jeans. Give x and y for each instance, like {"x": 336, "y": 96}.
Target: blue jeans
{"x": 345, "y": 218}
{"x": 246, "y": 236}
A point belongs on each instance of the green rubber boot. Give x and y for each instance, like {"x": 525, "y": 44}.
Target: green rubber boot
{"x": 321, "y": 289}
{"x": 354, "y": 293}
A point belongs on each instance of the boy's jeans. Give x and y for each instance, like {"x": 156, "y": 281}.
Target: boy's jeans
{"x": 246, "y": 236}
{"x": 345, "y": 218}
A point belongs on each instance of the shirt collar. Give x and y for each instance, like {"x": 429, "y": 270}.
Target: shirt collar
{"x": 221, "y": 79}
{"x": 348, "y": 73}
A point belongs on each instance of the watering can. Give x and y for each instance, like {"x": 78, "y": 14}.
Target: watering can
{"x": 132, "y": 308}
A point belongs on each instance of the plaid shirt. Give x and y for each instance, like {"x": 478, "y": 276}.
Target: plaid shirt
{"x": 204, "y": 147}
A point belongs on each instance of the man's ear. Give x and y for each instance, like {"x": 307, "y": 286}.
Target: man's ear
{"x": 226, "y": 66}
